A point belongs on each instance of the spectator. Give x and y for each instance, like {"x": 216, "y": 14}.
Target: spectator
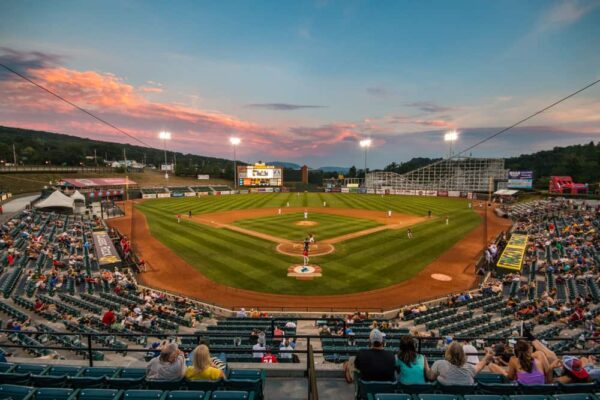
{"x": 413, "y": 367}
{"x": 376, "y": 363}
{"x": 259, "y": 348}
{"x": 454, "y": 370}
{"x": 109, "y": 318}
{"x": 286, "y": 349}
{"x": 526, "y": 367}
{"x": 201, "y": 368}
{"x": 168, "y": 366}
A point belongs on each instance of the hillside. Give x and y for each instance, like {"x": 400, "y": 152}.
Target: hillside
{"x": 38, "y": 147}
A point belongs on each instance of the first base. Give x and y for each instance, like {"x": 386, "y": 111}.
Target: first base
{"x": 304, "y": 272}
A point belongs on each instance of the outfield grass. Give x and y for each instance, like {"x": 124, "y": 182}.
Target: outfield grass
{"x": 328, "y": 226}
{"x": 374, "y": 261}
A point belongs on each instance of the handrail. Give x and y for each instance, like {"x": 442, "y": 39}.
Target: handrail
{"x": 91, "y": 347}
{"x": 313, "y": 390}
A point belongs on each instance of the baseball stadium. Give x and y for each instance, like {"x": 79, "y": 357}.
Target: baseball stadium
{"x": 147, "y": 250}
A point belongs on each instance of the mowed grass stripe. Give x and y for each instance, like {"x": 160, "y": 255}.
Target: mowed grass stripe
{"x": 365, "y": 263}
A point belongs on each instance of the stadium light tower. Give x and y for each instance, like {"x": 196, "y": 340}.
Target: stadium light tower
{"x": 235, "y": 141}
{"x": 365, "y": 144}
{"x": 450, "y": 137}
{"x": 164, "y": 136}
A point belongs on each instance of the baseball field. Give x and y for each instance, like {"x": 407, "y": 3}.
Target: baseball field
{"x": 233, "y": 240}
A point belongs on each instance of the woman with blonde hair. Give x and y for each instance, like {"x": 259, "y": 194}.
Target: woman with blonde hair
{"x": 202, "y": 368}
{"x": 454, "y": 369}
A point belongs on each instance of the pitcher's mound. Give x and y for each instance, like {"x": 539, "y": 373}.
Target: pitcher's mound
{"x": 296, "y": 249}
{"x": 307, "y": 223}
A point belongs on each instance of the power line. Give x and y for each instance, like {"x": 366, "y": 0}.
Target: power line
{"x": 75, "y": 105}
{"x": 527, "y": 118}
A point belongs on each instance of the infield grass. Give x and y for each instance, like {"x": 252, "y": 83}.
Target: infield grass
{"x": 327, "y": 226}
{"x": 369, "y": 262}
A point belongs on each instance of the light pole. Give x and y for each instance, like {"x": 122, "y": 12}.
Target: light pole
{"x": 450, "y": 137}
{"x": 165, "y": 136}
{"x": 365, "y": 143}
{"x": 235, "y": 141}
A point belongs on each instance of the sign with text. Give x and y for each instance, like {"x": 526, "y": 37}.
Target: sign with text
{"x": 520, "y": 180}
{"x": 514, "y": 252}
{"x": 105, "y": 250}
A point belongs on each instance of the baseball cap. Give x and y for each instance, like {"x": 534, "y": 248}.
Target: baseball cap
{"x": 575, "y": 367}
{"x": 376, "y": 336}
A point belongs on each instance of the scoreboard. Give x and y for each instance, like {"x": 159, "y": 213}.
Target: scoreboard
{"x": 260, "y": 175}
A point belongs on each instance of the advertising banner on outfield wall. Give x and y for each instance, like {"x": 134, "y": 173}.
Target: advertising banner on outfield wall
{"x": 345, "y": 190}
{"x": 453, "y": 193}
{"x": 149, "y": 196}
{"x": 371, "y": 191}
{"x": 163, "y": 195}
{"x": 442, "y": 193}
{"x": 431, "y": 193}
{"x": 176, "y": 194}
{"x": 200, "y": 194}
{"x": 190, "y": 194}
{"x": 203, "y": 177}
{"x": 106, "y": 254}
{"x": 244, "y": 191}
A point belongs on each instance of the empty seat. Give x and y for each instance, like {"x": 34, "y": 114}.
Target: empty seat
{"x": 16, "y": 392}
{"x": 188, "y": 395}
{"x": 144, "y": 394}
{"x": 231, "y": 395}
{"x": 436, "y": 396}
{"x": 389, "y": 396}
{"x": 55, "y": 394}
{"x": 99, "y": 394}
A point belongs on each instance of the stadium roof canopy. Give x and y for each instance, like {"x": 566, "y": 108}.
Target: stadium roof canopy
{"x": 77, "y": 196}
{"x": 56, "y": 200}
{"x": 96, "y": 182}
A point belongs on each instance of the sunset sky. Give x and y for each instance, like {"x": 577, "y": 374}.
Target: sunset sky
{"x": 303, "y": 81}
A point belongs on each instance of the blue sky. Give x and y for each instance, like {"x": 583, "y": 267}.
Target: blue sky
{"x": 304, "y": 81}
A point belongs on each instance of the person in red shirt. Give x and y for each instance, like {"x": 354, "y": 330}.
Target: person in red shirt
{"x": 11, "y": 259}
{"x": 269, "y": 358}
{"x": 278, "y": 334}
{"x": 109, "y": 317}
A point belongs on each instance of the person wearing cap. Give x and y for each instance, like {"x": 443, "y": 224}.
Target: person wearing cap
{"x": 168, "y": 366}
{"x": 376, "y": 363}
{"x": 576, "y": 370}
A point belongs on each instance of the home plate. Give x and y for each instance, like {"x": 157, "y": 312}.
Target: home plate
{"x": 304, "y": 272}
{"x": 441, "y": 277}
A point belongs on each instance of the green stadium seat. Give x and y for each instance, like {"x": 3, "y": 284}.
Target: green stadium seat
{"x": 528, "y": 397}
{"x": 436, "y": 396}
{"x": 166, "y": 385}
{"x": 231, "y": 395}
{"x": 575, "y": 396}
{"x": 421, "y": 388}
{"x": 501, "y": 389}
{"x": 37, "y": 369}
{"x": 55, "y": 394}
{"x": 16, "y": 392}
{"x": 539, "y": 389}
{"x": 188, "y": 395}
{"x": 577, "y": 387}
{"x": 246, "y": 385}
{"x": 130, "y": 373}
{"x": 207, "y": 386}
{"x": 458, "y": 389}
{"x": 246, "y": 374}
{"x": 14, "y": 378}
{"x": 482, "y": 397}
{"x": 61, "y": 370}
{"x": 144, "y": 395}
{"x": 389, "y": 396}
{"x": 6, "y": 367}
{"x": 85, "y": 381}
{"x": 126, "y": 383}
{"x": 48, "y": 380}
{"x": 363, "y": 388}
{"x": 99, "y": 394}
{"x": 488, "y": 377}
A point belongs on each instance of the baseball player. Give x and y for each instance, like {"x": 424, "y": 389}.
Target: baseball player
{"x": 305, "y": 214}
{"x": 305, "y": 256}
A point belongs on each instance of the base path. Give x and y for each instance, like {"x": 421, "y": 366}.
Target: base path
{"x": 170, "y": 272}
